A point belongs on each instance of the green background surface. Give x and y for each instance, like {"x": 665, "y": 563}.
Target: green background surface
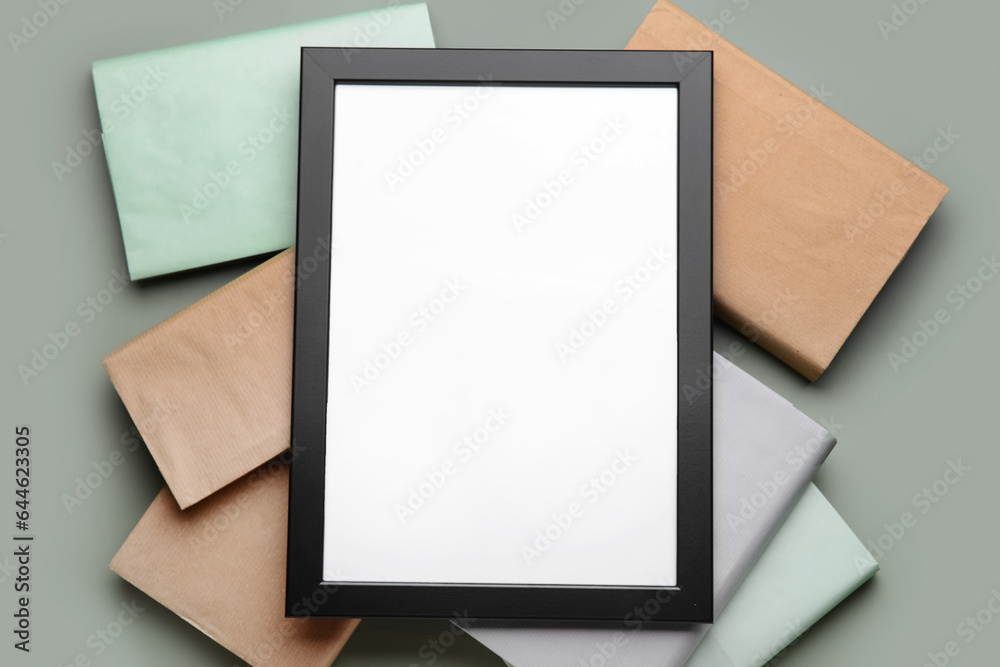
{"x": 898, "y": 428}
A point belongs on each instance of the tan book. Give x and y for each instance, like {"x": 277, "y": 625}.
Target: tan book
{"x": 210, "y": 389}
{"x": 221, "y": 567}
{"x": 812, "y": 215}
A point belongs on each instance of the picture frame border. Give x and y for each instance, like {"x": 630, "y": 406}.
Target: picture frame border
{"x": 690, "y": 601}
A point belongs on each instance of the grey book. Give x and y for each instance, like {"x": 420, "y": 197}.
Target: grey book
{"x": 766, "y": 453}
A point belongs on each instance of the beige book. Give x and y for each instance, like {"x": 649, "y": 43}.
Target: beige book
{"x": 210, "y": 389}
{"x": 812, "y": 215}
{"x": 221, "y": 567}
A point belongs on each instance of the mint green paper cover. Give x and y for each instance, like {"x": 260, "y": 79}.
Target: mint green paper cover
{"x": 810, "y": 566}
{"x": 812, "y": 563}
{"x": 201, "y": 140}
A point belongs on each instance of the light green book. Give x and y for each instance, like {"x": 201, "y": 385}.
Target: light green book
{"x": 202, "y": 140}
{"x": 812, "y": 563}
{"x": 783, "y": 556}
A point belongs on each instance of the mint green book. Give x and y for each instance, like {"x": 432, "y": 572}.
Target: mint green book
{"x": 812, "y": 563}
{"x": 202, "y": 140}
{"x": 783, "y": 556}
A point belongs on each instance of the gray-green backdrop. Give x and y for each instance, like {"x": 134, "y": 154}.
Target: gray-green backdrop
{"x": 934, "y": 70}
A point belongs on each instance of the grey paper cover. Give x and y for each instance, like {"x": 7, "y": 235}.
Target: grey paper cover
{"x": 766, "y": 452}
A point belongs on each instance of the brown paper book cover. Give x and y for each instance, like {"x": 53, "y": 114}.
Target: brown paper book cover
{"x": 812, "y": 215}
{"x": 221, "y": 567}
{"x": 210, "y": 389}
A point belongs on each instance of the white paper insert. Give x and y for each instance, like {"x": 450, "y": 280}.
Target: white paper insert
{"x": 502, "y": 381}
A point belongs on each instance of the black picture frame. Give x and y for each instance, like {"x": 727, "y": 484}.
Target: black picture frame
{"x": 691, "y": 599}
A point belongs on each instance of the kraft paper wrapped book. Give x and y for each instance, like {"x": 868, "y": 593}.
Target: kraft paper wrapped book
{"x": 765, "y": 454}
{"x": 812, "y": 215}
{"x": 215, "y": 380}
{"x": 221, "y": 567}
{"x": 202, "y": 140}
